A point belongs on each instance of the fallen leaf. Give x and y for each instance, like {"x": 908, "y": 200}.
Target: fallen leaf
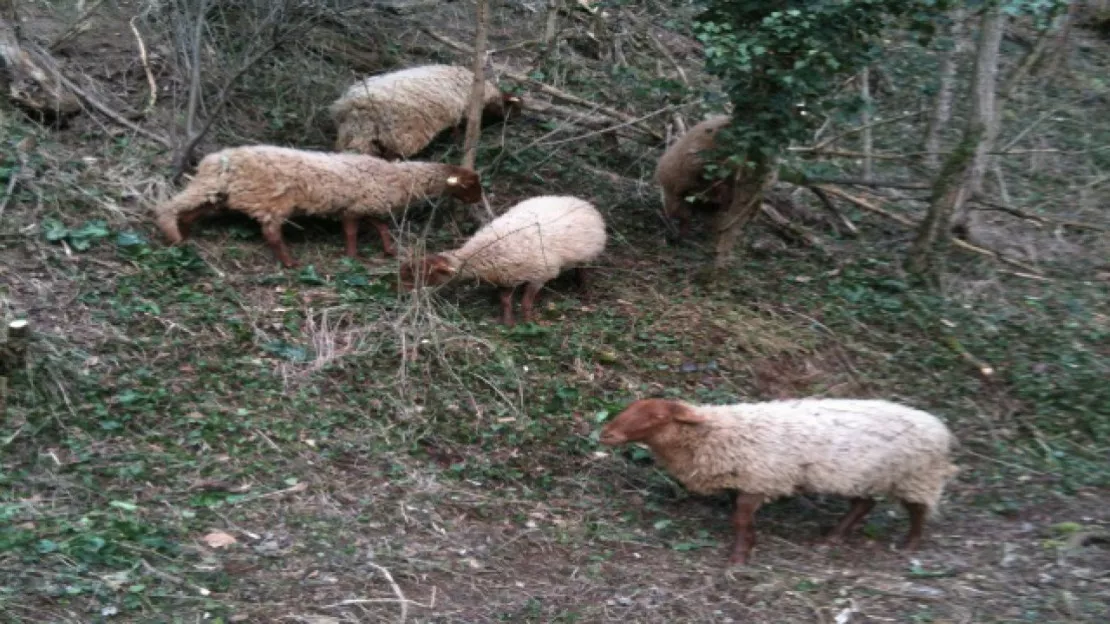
{"x": 219, "y": 539}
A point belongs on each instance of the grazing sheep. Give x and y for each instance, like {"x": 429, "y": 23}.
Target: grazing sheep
{"x": 530, "y": 244}
{"x": 681, "y": 173}
{"x": 272, "y": 183}
{"x": 854, "y": 448}
{"x": 395, "y": 115}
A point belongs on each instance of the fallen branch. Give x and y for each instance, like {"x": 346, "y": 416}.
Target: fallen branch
{"x": 836, "y": 137}
{"x": 912, "y": 186}
{"x": 954, "y": 344}
{"x": 658, "y": 45}
{"x": 77, "y": 27}
{"x": 548, "y": 89}
{"x": 829, "y": 206}
{"x": 146, "y": 68}
{"x": 105, "y": 110}
{"x": 602, "y": 124}
{"x": 1021, "y": 214}
{"x": 32, "y": 80}
{"x": 962, "y": 244}
{"x": 788, "y": 229}
{"x": 851, "y": 154}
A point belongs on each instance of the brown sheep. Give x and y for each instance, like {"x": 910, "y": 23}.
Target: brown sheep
{"x": 273, "y": 183}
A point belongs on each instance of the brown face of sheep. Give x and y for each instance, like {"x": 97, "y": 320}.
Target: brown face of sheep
{"x": 644, "y": 418}
{"x": 464, "y": 185}
{"x": 431, "y": 271}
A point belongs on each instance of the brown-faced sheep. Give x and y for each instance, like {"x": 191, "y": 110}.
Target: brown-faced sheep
{"x": 853, "y": 448}
{"x": 395, "y": 115}
{"x": 273, "y": 183}
{"x": 530, "y": 244}
{"x": 681, "y": 172}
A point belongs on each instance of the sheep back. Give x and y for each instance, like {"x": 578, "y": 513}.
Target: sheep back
{"x": 852, "y": 448}
{"x": 399, "y": 113}
{"x": 270, "y": 183}
{"x": 681, "y": 168}
{"x": 534, "y": 241}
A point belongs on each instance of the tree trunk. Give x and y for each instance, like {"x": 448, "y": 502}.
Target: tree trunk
{"x": 549, "y": 28}
{"x": 942, "y": 106}
{"x": 13, "y": 353}
{"x": 1065, "y": 34}
{"x": 477, "y": 92}
{"x": 749, "y": 185}
{"x": 984, "y": 111}
{"x": 865, "y": 122}
{"x": 28, "y": 76}
{"x": 963, "y": 170}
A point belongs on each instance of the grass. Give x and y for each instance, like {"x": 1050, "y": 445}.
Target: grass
{"x": 336, "y": 428}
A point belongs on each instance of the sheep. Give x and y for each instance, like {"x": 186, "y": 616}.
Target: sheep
{"x": 681, "y": 172}
{"x": 531, "y": 243}
{"x": 272, "y": 183}
{"x": 395, "y": 115}
{"x": 853, "y": 448}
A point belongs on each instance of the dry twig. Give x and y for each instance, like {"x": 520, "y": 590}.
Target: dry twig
{"x": 143, "y": 58}
{"x": 962, "y": 244}
{"x": 548, "y": 89}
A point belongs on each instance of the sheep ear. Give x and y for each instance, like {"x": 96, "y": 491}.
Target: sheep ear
{"x": 453, "y": 181}
{"x": 681, "y": 413}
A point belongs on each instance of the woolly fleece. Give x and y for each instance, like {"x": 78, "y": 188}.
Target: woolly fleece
{"x": 681, "y": 168}
{"x": 399, "y": 113}
{"x": 272, "y": 183}
{"x": 852, "y": 448}
{"x": 533, "y": 241}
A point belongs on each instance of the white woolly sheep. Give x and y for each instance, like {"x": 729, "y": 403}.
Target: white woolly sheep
{"x": 395, "y": 115}
{"x": 681, "y": 173}
{"x": 853, "y": 448}
{"x": 532, "y": 243}
{"x": 272, "y": 183}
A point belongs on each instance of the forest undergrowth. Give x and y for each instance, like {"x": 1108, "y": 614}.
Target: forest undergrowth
{"x": 199, "y": 435}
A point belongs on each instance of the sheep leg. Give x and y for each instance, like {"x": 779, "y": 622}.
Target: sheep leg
{"x": 743, "y": 521}
{"x": 507, "y": 306}
{"x": 383, "y": 233}
{"x": 272, "y": 233}
{"x": 860, "y": 508}
{"x": 527, "y": 302}
{"x": 582, "y": 280}
{"x": 350, "y": 234}
{"x": 917, "y": 524}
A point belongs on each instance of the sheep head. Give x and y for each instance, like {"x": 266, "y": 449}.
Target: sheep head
{"x": 644, "y": 419}
{"x": 428, "y": 271}
{"x": 171, "y": 229}
{"x": 503, "y": 107}
{"x": 464, "y": 185}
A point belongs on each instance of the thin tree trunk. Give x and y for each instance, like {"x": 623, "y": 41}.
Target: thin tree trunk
{"x": 963, "y": 170}
{"x": 477, "y": 92}
{"x": 942, "y": 106}
{"x": 984, "y": 109}
{"x": 1065, "y": 34}
{"x": 749, "y": 185}
{"x": 865, "y": 122}
{"x": 28, "y": 76}
{"x": 549, "y": 28}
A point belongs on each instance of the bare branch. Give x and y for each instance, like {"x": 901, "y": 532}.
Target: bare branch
{"x": 146, "y": 68}
{"x": 544, "y": 88}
